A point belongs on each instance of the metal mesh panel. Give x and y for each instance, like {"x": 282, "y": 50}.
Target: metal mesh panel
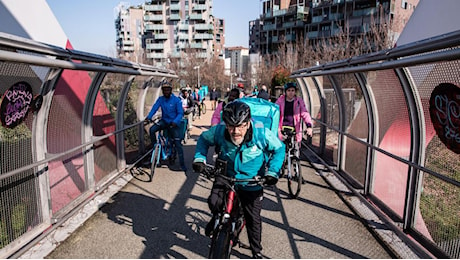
{"x": 315, "y": 111}
{"x": 104, "y": 113}
{"x": 20, "y": 203}
{"x": 333, "y": 119}
{"x": 439, "y": 208}
{"x": 19, "y": 194}
{"x": 390, "y": 176}
{"x": 130, "y": 117}
{"x": 67, "y": 178}
{"x": 440, "y": 201}
{"x": 356, "y": 125}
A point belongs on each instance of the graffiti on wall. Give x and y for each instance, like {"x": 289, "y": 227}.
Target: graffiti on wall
{"x": 445, "y": 114}
{"x": 16, "y": 102}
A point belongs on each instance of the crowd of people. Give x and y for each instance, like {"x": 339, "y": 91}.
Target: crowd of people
{"x": 248, "y": 148}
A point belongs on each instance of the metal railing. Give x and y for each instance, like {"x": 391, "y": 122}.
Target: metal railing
{"x": 396, "y": 138}
{"x": 71, "y": 123}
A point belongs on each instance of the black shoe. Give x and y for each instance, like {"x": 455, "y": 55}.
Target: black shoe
{"x": 257, "y": 255}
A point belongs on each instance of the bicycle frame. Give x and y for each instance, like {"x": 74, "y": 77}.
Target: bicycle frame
{"x": 230, "y": 220}
{"x": 291, "y": 150}
{"x": 167, "y": 147}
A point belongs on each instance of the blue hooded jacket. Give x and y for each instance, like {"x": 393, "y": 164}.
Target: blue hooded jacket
{"x": 248, "y": 160}
{"x": 171, "y": 109}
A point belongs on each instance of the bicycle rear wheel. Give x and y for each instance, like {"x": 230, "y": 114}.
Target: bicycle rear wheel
{"x": 220, "y": 243}
{"x": 155, "y": 159}
{"x": 295, "y": 179}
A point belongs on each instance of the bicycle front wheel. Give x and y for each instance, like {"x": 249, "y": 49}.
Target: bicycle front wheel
{"x": 220, "y": 243}
{"x": 295, "y": 179}
{"x": 155, "y": 159}
{"x": 203, "y": 108}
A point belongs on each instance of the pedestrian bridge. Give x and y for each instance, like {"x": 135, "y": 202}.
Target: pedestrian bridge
{"x": 382, "y": 168}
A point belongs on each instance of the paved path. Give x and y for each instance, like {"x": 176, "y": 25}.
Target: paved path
{"x": 165, "y": 218}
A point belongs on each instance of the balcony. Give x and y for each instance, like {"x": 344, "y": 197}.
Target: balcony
{"x": 128, "y": 48}
{"x": 182, "y": 36}
{"x": 198, "y": 7}
{"x": 174, "y": 7}
{"x": 156, "y": 55}
{"x": 269, "y": 27}
{"x": 202, "y": 36}
{"x": 312, "y": 35}
{"x": 161, "y": 36}
{"x": 202, "y": 55}
{"x": 128, "y": 42}
{"x": 175, "y": 55}
{"x": 183, "y": 27}
{"x": 153, "y": 17}
{"x": 196, "y": 16}
{"x": 155, "y": 46}
{"x": 174, "y": 17}
{"x": 154, "y": 27}
{"x": 196, "y": 46}
{"x": 203, "y": 27}
{"x": 153, "y": 7}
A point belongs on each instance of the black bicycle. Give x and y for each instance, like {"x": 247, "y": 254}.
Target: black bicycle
{"x": 229, "y": 221}
{"x": 291, "y": 163}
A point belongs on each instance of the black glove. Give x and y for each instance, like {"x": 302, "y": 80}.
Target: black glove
{"x": 270, "y": 180}
{"x": 198, "y": 167}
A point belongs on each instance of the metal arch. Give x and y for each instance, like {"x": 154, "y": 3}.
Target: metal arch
{"x": 342, "y": 121}
{"x": 418, "y": 137}
{"x": 373, "y": 131}
{"x": 39, "y": 141}
{"x": 304, "y": 89}
{"x": 140, "y": 112}
{"x": 87, "y": 129}
{"x": 120, "y": 124}
{"x": 322, "y": 101}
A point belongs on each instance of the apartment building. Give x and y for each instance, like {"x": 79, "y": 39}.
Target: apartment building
{"x": 239, "y": 59}
{"x": 129, "y": 30}
{"x": 177, "y": 28}
{"x": 290, "y": 20}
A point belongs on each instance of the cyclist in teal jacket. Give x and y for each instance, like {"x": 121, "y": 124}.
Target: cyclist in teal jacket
{"x": 249, "y": 149}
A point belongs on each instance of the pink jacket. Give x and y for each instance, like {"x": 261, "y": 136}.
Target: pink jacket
{"x": 215, "y": 120}
{"x": 300, "y": 112}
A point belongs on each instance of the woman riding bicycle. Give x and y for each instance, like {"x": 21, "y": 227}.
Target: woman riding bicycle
{"x": 245, "y": 147}
{"x": 292, "y": 110}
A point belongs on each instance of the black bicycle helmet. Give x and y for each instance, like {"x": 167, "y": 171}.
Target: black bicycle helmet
{"x": 290, "y": 85}
{"x": 236, "y": 112}
{"x": 165, "y": 84}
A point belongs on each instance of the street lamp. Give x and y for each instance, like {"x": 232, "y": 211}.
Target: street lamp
{"x": 231, "y": 79}
{"x": 198, "y": 67}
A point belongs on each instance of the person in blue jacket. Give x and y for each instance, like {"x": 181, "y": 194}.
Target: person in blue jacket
{"x": 171, "y": 116}
{"x": 249, "y": 149}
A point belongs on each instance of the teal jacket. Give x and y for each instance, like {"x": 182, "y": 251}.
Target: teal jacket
{"x": 261, "y": 150}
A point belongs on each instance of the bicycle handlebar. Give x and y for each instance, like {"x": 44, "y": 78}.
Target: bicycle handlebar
{"x": 212, "y": 171}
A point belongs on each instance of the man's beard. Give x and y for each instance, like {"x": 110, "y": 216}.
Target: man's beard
{"x": 236, "y": 142}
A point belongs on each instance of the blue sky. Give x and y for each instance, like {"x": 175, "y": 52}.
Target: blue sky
{"x": 90, "y": 24}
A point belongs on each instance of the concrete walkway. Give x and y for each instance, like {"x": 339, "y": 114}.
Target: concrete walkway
{"x": 165, "y": 218}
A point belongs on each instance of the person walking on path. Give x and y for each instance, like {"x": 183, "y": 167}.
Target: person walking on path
{"x": 213, "y": 96}
{"x": 263, "y": 93}
{"x": 216, "y": 117}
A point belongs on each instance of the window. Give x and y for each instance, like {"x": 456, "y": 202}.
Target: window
{"x": 404, "y": 4}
